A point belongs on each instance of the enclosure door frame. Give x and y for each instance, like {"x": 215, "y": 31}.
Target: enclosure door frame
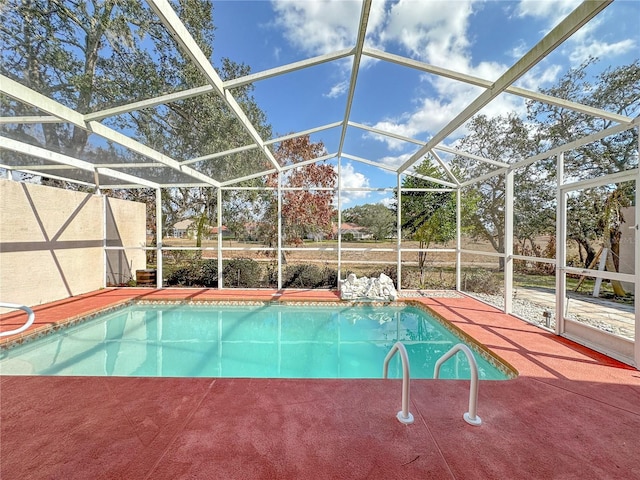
{"x": 617, "y": 347}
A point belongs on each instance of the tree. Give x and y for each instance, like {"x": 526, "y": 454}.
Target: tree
{"x": 615, "y": 90}
{"x": 102, "y": 53}
{"x": 506, "y": 139}
{"x": 378, "y": 220}
{"x": 428, "y": 216}
{"x": 592, "y": 213}
{"x": 83, "y": 55}
{"x": 583, "y": 210}
{"x": 307, "y": 200}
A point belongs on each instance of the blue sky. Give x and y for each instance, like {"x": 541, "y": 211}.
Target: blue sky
{"x": 480, "y": 38}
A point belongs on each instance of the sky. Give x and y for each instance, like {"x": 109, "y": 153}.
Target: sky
{"x": 479, "y": 38}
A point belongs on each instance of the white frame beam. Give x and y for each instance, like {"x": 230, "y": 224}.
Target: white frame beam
{"x": 26, "y": 95}
{"x": 442, "y": 148}
{"x": 357, "y": 57}
{"x": 183, "y": 38}
{"x": 291, "y": 67}
{"x": 480, "y": 82}
{"x": 43, "y": 153}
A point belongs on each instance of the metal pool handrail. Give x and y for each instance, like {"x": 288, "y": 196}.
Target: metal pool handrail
{"x": 404, "y": 416}
{"x": 30, "y": 318}
{"x": 470, "y": 417}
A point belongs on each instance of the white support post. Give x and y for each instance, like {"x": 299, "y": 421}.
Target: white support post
{"x": 279, "y": 230}
{"x": 339, "y": 229}
{"x": 105, "y": 260}
{"x": 637, "y": 265}
{"x": 458, "y": 239}
{"x": 96, "y": 181}
{"x": 159, "y": 275}
{"x": 219, "y": 238}
{"x": 561, "y": 245}
{"x": 508, "y": 242}
{"x": 399, "y": 234}
{"x": 601, "y": 267}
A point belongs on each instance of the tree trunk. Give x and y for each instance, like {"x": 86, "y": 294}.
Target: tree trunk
{"x": 611, "y": 266}
{"x": 590, "y": 253}
{"x": 615, "y": 247}
{"x": 422, "y": 258}
{"x": 200, "y": 229}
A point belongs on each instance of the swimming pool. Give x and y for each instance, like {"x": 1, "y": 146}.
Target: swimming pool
{"x": 250, "y": 341}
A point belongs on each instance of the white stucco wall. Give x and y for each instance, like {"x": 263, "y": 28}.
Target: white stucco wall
{"x": 51, "y": 241}
{"x": 126, "y": 227}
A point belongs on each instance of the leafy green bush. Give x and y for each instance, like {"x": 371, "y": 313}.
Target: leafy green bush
{"x": 209, "y": 273}
{"x": 348, "y": 237}
{"x": 242, "y": 272}
{"x": 330, "y": 277}
{"x": 188, "y": 275}
{"x": 303, "y": 276}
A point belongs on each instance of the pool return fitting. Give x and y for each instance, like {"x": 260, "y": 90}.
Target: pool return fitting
{"x": 404, "y": 416}
{"x": 30, "y": 318}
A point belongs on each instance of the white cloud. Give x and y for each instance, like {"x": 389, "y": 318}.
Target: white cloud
{"x": 590, "y": 41}
{"x": 551, "y": 10}
{"x": 540, "y": 76}
{"x": 433, "y": 113}
{"x": 595, "y": 48}
{"x": 323, "y": 27}
{"x": 437, "y": 34}
{"x": 338, "y": 89}
{"x": 587, "y": 41}
{"x": 318, "y": 27}
{"x": 519, "y": 50}
{"x": 395, "y": 161}
{"x": 429, "y": 30}
{"x": 349, "y": 178}
{"x": 389, "y": 202}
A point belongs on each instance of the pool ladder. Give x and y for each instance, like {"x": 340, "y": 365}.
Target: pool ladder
{"x": 30, "y": 318}
{"x": 404, "y": 416}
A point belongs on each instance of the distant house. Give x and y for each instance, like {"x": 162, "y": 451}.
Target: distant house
{"x": 213, "y": 231}
{"x": 183, "y": 229}
{"x": 187, "y": 229}
{"x": 358, "y": 232}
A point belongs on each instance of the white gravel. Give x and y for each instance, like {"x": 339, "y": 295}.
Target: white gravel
{"x": 535, "y": 314}
{"x": 528, "y": 311}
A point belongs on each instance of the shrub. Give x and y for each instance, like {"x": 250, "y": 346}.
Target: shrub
{"x": 330, "y": 277}
{"x": 242, "y": 272}
{"x": 348, "y": 237}
{"x": 187, "y": 275}
{"x": 271, "y": 275}
{"x": 303, "y": 276}
{"x": 209, "y": 273}
{"x": 481, "y": 281}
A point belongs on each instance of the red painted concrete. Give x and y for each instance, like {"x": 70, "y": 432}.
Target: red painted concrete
{"x": 571, "y": 414}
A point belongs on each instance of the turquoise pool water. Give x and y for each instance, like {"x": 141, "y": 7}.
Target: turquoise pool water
{"x": 260, "y": 341}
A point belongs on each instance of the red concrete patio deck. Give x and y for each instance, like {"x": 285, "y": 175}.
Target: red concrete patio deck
{"x": 571, "y": 414}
